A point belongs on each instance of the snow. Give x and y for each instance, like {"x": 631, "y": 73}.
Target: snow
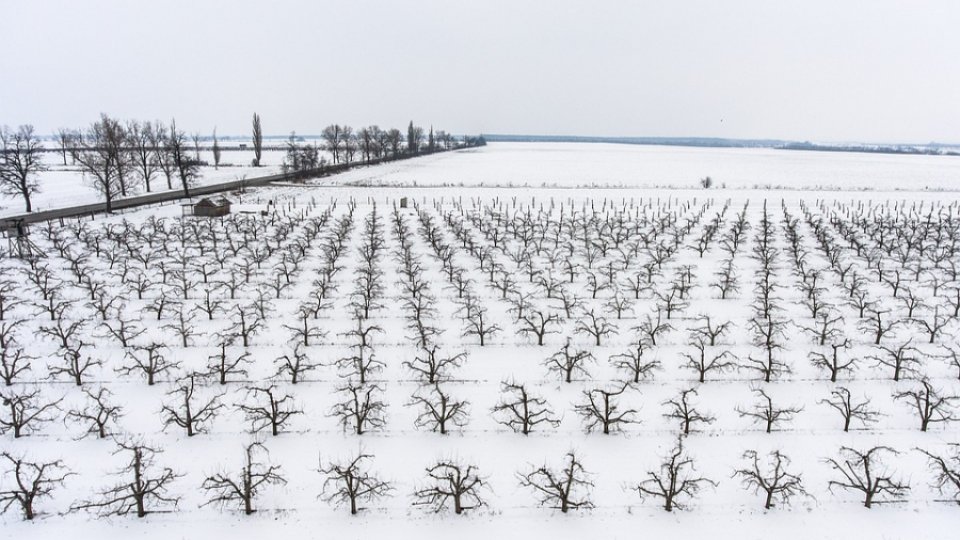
{"x": 569, "y": 165}
{"x": 64, "y": 185}
{"x": 616, "y": 461}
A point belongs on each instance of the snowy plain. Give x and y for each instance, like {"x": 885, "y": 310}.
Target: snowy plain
{"x": 571, "y": 165}
{"x": 543, "y": 178}
{"x": 65, "y": 185}
{"x": 599, "y": 165}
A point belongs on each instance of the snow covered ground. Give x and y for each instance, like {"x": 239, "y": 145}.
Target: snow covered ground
{"x": 517, "y": 229}
{"x": 568, "y": 165}
{"x": 64, "y": 185}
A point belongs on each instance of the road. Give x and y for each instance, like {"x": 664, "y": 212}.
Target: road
{"x": 199, "y": 191}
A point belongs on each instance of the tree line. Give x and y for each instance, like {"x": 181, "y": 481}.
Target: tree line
{"x": 120, "y": 158}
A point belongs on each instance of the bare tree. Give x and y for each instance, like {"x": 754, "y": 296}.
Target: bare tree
{"x": 675, "y": 481}
{"x": 935, "y": 325}
{"x": 476, "y": 320}
{"x": 947, "y": 471}
{"x": 187, "y": 168}
{"x": 439, "y": 410}
{"x": 187, "y": 412}
{"x": 634, "y": 365}
{"x": 567, "y": 362}
{"x": 266, "y": 408}
{"x": 601, "y": 410}
{"x": 295, "y": 365}
{"x": 450, "y": 481}
{"x": 772, "y": 480}
{"x": 148, "y": 360}
{"x": 704, "y": 364}
{"x": 598, "y": 327}
{"x": 653, "y": 328}
{"x": 223, "y": 367}
{"x": 877, "y": 324}
{"x": 433, "y": 368}
{"x": 363, "y": 332}
{"x": 765, "y": 414}
{"x": 98, "y": 414}
{"x": 13, "y": 363}
{"x": 767, "y": 334}
{"x": 242, "y": 489}
{"x": 123, "y": 330}
{"x": 709, "y": 331}
{"x": 842, "y": 401}
{"x": 304, "y": 330}
{"x": 521, "y": 411}
{"x": 63, "y": 332}
{"x": 899, "y": 358}
{"x": 362, "y": 364}
{"x": 681, "y": 409}
{"x": 141, "y": 489}
{"x": 333, "y": 140}
{"x": 66, "y": 138}
{"x": 864, "y": 472}
{"x": 539, "y": 324}
{"x": 8, "y": 296}
{"x": 21, "y": 162}
{"x": 350, "y": 482}
{"x": 23, "y": 413}
{"x": 833, "y": 364}
{"x": 565, "y": 489}
{"x": 144, "y": 151}
{"x": 29, "y": 482}
{"x": 727, "y": 281}
{"x": 360, "y": 409}
{"x": 98, "y": 157}
{"x": 73, "y": 364}
{"x": 826, "y": 326}
{"x": 183, "y": 326}
{"x": 929, "y": 404}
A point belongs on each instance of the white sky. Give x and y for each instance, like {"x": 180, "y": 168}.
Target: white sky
{"x": 827, "y": 70}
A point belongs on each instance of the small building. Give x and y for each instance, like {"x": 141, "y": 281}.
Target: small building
{"x": 403, "y": 202}
{"x": 208, "y": 207}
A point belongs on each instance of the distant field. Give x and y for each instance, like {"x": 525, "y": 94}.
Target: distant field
{"x": 470, "y": 290}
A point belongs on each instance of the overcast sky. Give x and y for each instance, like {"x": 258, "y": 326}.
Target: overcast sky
{"x": 823, "y": 70}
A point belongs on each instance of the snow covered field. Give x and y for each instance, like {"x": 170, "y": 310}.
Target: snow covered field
{"x": 64, "y": 185}
{"x": 567, "y": 165}
{"x": 606, "y": 261}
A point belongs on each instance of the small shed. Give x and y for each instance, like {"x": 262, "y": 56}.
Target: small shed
{"x": 208, "y": 207}
{"x": 403, "y": 202}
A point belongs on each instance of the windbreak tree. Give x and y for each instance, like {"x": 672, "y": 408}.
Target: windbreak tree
{"x": 98, "y": 157}
{"x": 257, "y": 140}
{"x": 21, "y": 162}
